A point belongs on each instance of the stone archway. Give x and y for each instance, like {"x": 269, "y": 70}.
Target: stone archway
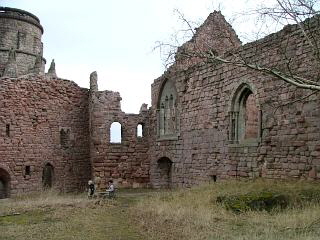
{"x": 47, "y": 176}
{"x": 4, "y": 184}
{"x": 164, "y": 166}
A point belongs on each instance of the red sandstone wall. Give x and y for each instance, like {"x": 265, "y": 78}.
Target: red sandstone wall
{"x": 289, "y": 146}
{"x": 127, "y": 163}
{"x": 36, "y": 109}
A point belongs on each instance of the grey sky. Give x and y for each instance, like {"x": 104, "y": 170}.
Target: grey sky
{"x": 116, "y": 38}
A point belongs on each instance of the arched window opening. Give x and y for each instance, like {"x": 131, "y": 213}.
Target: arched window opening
{"x": 115, "y": 132}
{"x": 251, "y": 117}
{"x": 4, "y": 184}
{"x": 167, "y": 113}
{"x": 47, "y": 176}
{"x": 140, "y": 130}
{"x": 244, "y": 116}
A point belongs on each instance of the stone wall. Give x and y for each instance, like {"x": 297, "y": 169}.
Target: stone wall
{"x": 126, "y": 162}
{"x": 20, "y": 31}
{"x": 207, "y": 120}
{"x": 215, "y": 35}
{"x": 287, "y": 141}
{"x": 33, "y": 112}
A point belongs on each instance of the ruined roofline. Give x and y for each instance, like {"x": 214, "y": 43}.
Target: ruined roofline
{"x": 214, "y": 24}
{"x": 211, "y": 17}
{"x": 311, "y": 22}
{"x": 21, "y": 15}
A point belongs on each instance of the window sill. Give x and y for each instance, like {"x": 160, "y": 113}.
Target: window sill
{"x": 252, "y": 142}
{"x": 168, "y": 138}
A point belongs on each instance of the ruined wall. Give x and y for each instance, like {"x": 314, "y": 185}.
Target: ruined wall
{"x": 287, "y": 143}
{"x": 215, "y": 35}
{"x": 127, "y": 162}
{"x": 20, "y": 31}
{"x": 43, "y": 122}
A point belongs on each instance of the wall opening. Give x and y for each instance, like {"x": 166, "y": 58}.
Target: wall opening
{"x": 165, "y": 171}
{"x": 140, "y": 130}
{"x": 4, "y": 184}
{"x": 244, "y": 116}
{"x": 8, "y": 130}
{"x": 47, "y": 176}
{"x": 251, "y": 118}
{"x": 115, "y": 132}
{"x": 27, "y": 171}
{"x": 167, "y": 111}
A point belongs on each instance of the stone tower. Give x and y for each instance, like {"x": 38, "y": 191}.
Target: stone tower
{"x": 20, "y": 34}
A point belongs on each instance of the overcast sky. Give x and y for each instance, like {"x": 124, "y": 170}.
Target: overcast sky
{"x": 116, "y": 38}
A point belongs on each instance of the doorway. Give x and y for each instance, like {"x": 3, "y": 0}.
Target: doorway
{"x": 165, "y": 169}
{"x": 47, "y": 176}
{"x": 4, "y": 184}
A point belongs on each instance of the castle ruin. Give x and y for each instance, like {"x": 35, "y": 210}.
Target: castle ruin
{"x": 207, "y": 120}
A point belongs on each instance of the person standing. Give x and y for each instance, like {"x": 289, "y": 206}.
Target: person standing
{"x": 110, "y": 190}
{"x": 91, "y": 189}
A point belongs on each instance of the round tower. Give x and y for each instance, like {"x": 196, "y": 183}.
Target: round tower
{"x": 20, "y": 33}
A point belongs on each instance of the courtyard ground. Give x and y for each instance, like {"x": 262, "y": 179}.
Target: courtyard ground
{"x": 50, "y": 215}
{"x": 184, "y": 214}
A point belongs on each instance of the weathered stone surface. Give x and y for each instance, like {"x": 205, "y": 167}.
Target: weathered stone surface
{"x": 286, "y": 138}
{"x": 21, "y": 31}
{"x": 207, "y": 121}
{"x": 33, "y": 111}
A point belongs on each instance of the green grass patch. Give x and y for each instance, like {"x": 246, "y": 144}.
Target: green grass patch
{"x": 27, "y": 218}
{"x": 257, "y": 201}
{"x": 288, "y": 210}
{"x": 53, "y": 216}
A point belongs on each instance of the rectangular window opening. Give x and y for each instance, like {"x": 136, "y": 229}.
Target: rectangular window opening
{"x": 28, "y": 171}
{"x": 8, "y": 130}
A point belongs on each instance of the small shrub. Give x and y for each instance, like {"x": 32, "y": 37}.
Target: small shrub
{"x": 309, "y": 195}
{"x": 257, "y": 201}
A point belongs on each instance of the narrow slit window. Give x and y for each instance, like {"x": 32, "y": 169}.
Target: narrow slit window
{"x": 8, "y": 130}
{"x": 28, "y": 171}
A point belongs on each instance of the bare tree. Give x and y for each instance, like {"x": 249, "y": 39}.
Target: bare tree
{"x": 302, "y": 13}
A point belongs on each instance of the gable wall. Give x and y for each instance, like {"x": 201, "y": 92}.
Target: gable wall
{"x": 289, "y": 144}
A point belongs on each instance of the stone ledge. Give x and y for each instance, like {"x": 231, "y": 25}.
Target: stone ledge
{"x": 167, "y": 138}
{"x": 246, "y": 143}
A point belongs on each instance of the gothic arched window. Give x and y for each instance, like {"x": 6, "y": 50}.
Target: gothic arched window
{"x": 167, "y": 113}
{"x": 244, "y": 116}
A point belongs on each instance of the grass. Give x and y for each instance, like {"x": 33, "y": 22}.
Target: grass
{"x": 185, "y": 214}
{"x": 194, "y": 214}
{"x": 53, "y": 216}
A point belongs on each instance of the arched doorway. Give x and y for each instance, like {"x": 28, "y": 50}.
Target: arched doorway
{"x": 47, "y": 176}
{"x": 165, "y": 169}
{"x": 4, "y": 184}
